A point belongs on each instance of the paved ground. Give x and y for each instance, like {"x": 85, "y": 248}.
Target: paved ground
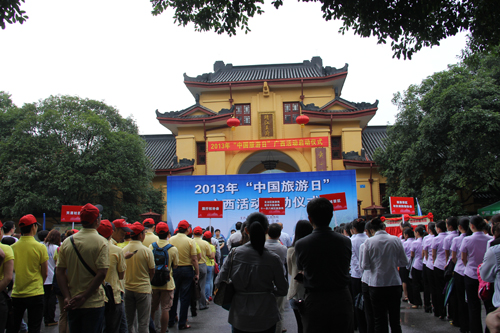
{"x": 215, "y": 320}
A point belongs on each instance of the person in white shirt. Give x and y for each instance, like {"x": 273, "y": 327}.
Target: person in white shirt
{"x": 285, "y": 238}
{"x": 235, "y": 239}
{"x": 382, "y": 255}
{"x": 358, "y": 237}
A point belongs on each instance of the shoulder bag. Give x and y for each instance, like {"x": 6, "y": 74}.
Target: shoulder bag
{"x": 225, "y": 292}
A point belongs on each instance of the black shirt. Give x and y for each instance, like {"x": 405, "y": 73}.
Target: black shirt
{"x": 324, "y": 256}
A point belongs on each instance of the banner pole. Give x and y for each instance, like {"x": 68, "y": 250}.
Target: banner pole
{"x": 73, "y": 225}
{"x": 43, "y": 221}
{"x": 335, "y": 215}
{"x": 210, "y": 225}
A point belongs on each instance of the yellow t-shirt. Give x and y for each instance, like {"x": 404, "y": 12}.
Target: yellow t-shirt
{"x": 211, "y": 262}
{"x": 150, "y": 239}
{"x": 186, "y": 247}
{"x": 9, "y": 255}
{"x": 205, "y": 249}
{"x": 122, "y": 245}
{"x": 116, "y": 265}
{"x": 137, "y": 274}
{"x": 173, "y": 260}
{"x": 94, "y": 250}
{"x": 29, "y": 256}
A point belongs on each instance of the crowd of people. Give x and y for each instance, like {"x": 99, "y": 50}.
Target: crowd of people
{"x": 354, "y": 277}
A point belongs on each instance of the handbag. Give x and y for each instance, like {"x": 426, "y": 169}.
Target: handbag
{"x": 448, "y": 270}
{"x": 225, "y": 292}
{"x": 108, "y": 289}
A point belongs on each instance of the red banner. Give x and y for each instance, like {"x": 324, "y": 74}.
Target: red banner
{"x": 272, "y": 206}
{"x": 70, "y": 213}
{"x": 210, "y": 209}
{"x": 268, "y": 144}
{"x": 337, "y": 199}
{"x": 402, "y": 205}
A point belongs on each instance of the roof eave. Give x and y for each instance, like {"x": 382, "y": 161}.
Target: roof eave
{"x": 170, "y": 172}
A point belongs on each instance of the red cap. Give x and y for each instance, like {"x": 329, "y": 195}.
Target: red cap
{"x": 183, "y": 224}
{"x": 105, "y": 229}
{"x": 176, "y": 231}
{"x": 162, "y": 227}
{"x": 27, "y": 220}
{"x": 136, "y": 228}
{"x": 207, "y": 234}
{"x": 198, "y": 231}
{"x": 120, "y": 223}
{"x": 1, "y": 224}
{"x": 149, "y": 222}
{"x": 74, "y": 231}
{"x": 89, "y": 213}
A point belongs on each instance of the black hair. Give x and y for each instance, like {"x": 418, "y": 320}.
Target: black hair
{"x": 210, "y": 228}
{"x": 432, "y": 228}
{"x": 359, "y": 225}
{"x": 410, "y": 233}
{"x": 238, "y": 225}
{"x": 136, "y": 237}
{"x": 368, "y": 226}
{"x": 320, "y": 211}
{"x": 441, "y": 225}
{"x": 464, "y": 223}
{"x": 377, "y": 224}
{"x": 257, "y": 225}
{"x": 217, "y": 230}
{"x": 274, "y": 231}
{"x": 406, "y": 225}
{"x": 347, "y": 229}
{"x": 302, "y": 229}
{"x": 452, "y": 222}
{"x": 478, "y": 222}
{"x": 8, "y": 226}
{"x": 8, "y": 240}
{"x": 42, "y": 234}
{"x": 181, "y": 230}
{"x": 420, "y": 230}
{"x": 26, "y": 229}
{"x": 495, "y": 219}
{"x": 163, "y": 235}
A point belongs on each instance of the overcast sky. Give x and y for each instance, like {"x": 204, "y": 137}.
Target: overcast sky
{"x": 116, "y": 51}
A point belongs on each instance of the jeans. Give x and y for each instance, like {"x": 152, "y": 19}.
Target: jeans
{"x": 34, "y": 306}
{"x": 386, "y": 300}
{"x": 49, "y": 304}
{"x": 209, "y": 286}
{"x": 114, "y": 319}
{"x": 183, "y": 277}
{"x": 139, "y": 303}
{"x": 203, "y": 280}
{"x": 80, "y": 322}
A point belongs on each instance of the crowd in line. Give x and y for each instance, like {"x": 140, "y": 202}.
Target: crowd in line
{"x": 116, "y": 276}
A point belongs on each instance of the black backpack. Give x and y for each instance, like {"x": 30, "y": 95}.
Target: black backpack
{"x": 162, "y": 271}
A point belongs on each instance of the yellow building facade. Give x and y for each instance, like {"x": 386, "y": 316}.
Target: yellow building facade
{"x": 267, "y": 100}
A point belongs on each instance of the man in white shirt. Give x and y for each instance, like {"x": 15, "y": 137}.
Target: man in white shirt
{"x": 235, "y": 238}
{"x": 358, "y": 237}
{"x": 285, "y": 238}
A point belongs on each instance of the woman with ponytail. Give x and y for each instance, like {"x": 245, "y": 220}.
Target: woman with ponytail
{"x": 257, "y": 276}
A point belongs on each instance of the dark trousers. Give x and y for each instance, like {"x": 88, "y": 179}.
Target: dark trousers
{"x": 296, "y": 311}
{"x": 269, "y": 330}
{"x": 462, "y": 307}
{"x": 321, "y": 309}
{"x": 370, "y": 320}
{"x": 439, "y": 308}
{"x": 359, "y": 315}
{"x": 86, "y": 320}
{"x": 183, "y": 277}
{"x": 453, "y": 305}
{"x": 417, "y": 286}
{"x": 4, "y": 310}
{"x": 427, "y": 288}
{"x": 474, "y": 304}
{"x": 49, "y": 304}
{"x": 386, "y": 300}
{"x": 34, "y": 306}
{"x": 113, "y": 320}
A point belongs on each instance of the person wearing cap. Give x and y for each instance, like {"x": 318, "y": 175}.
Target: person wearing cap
{"x": 6, "y": 272}
{"x": 164, "y": 295}
{"x": 120, "y": 231}
{"x": 31, "y": 271}
{"x": 206, "y": 253}
{"x": 138, "y": 276}
{"x": 150, "y": 237}
{"x": 82, "y": 290}
{"x": 209, "y": 285}
{"x": 184, "y": 274}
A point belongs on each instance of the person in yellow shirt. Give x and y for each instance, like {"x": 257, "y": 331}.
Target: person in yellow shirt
{"x": 150, "y": 238}
{"x": 82, "y": 265}
{"x": 140, "y": 271}
{"x": 6, "y": 272}
{"x": 119, "y": 231}
{"x": 209, "y": 286}
{"x": 31, "y": 271}
{"x": 113, "y": 320}
{"x": 164, "y": 295}
{"x": 206, "y": 254}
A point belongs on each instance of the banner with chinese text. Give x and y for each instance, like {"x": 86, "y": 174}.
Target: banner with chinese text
{"x": 268, "y": 144}
{"x": 210, "y": 209}
{"x": 240, "y": 195}
{"x": 402, "y": 205}
{"x": 70, "y": 213}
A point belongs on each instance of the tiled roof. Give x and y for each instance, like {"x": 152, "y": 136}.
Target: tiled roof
{"x": 372, "y": 138}
{"x": 161, "y": 150}
{"x": 228, "y": 73}
{"x": 181, "y": 113}
{"x": 354, "y": 106}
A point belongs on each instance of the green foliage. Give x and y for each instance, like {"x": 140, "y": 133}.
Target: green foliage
{"x": 11, "y": 12}
{"x": 443, "y": 147}
{"x": 69, "y": 151}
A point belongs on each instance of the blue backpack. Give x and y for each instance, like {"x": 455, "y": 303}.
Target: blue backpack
{"x": 162, "y": 271}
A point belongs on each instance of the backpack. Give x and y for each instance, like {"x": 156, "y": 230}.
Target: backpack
{"x": 162, "y": 271}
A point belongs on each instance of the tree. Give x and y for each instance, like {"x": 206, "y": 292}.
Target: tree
{"x": 69, "y": 151}
{"x": 10, "y": 12}
{"x": 443, "y": 147}
{"x": 410, "y": 24}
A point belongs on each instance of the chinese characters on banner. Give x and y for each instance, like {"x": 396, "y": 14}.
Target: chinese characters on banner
{"x": 268, "y": 144}
{"x": 210, "y": 209}
{"x": 70, "y": 213}
{"x": 402, "y": 205}
{"x": 272, "y": 206}
{"x": 337, "y": 199}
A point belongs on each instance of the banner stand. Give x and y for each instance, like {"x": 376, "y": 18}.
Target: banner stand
{"x": 335, "y": 215}
{"x": 73, "y": 225}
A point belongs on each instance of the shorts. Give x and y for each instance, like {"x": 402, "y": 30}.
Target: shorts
{"x": 163, "y": 297}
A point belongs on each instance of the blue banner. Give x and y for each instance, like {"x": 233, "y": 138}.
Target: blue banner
{"x": 241, "y": 193}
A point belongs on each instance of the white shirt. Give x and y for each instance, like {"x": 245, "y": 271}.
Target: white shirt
{"x": 285, "y": 239}
{"x": 234, "y": 238}
{"x": 382, "y": 255}
{"x": 51, "y": 250}
{"x": 365, "y": 277}
{"x": 490, "y": 270}
{"x": 356, "y": 241}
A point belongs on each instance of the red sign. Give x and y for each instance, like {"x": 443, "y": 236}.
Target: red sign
{"x": 402, "y": 205}
{"x": 337, "y": 199}
{"x": 272, "y": 206}
{"x": 268, "y": 144}
{"x": 210, "y": 209}
{"x": 70, "y": 213}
